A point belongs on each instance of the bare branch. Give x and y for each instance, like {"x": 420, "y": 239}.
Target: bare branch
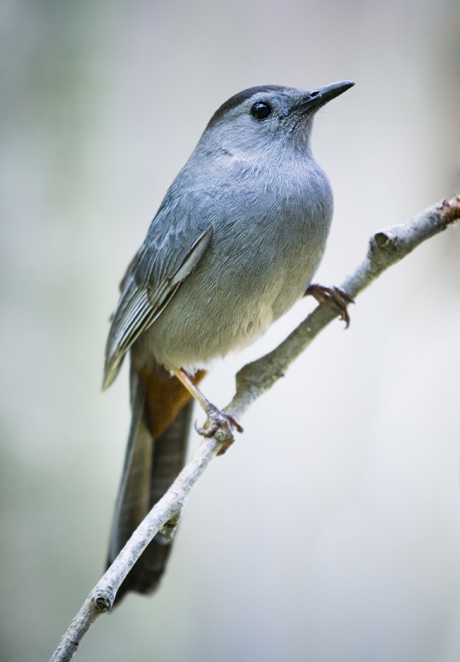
{"x": 385, "y": 249}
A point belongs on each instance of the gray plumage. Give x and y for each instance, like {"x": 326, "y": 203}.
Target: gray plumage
{"x": 234, "y": 245}
{"x": 150, "y": 469}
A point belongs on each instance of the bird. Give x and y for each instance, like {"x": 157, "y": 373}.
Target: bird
{"x": 233, "y": 246}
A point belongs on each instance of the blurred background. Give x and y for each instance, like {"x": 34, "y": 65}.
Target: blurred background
{"x": 331, "y": 530}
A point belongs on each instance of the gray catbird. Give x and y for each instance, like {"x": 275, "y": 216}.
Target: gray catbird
{"x": 233, "y": 246}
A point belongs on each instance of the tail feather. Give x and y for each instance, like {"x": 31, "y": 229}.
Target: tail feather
{"x": 133, "y": 495}
{"x": 151, "y": 467}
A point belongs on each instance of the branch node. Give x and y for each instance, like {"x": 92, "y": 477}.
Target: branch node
{"x": 169, "y": 528}
{"x": 449, "y": 210}
{"x": 385, "y": 241}
{"x": 103, "y": 600}
{"x": 221, "y": 436}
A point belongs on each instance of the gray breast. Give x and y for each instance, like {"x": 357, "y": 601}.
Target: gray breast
{"x": 267, "y": 244}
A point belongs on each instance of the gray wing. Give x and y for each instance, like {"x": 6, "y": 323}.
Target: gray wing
{"x": 175, "y": 242}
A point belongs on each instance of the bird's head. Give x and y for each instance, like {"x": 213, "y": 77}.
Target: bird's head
{"x": 263, "y": 119}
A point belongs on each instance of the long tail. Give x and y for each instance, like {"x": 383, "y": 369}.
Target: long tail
{"x": 157, "y": 444}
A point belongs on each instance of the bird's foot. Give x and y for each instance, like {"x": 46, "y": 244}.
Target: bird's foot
{"x": 334, "y": 296}
{"x": 221, "y": 426}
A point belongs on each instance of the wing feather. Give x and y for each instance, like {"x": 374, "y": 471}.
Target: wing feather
{"x": 168, "y": 255}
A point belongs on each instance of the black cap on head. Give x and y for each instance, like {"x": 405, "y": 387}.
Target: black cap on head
{"x": 236, "y": 99}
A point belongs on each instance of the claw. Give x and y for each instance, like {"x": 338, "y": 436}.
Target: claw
{"x": 218, "y": 420}
{"x": 334, "y": 296}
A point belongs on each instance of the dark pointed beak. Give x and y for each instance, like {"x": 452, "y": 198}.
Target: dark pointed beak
{"x": 317, "y": 98}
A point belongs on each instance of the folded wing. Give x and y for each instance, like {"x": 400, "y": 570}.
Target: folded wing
{"x": 175, "y": 243}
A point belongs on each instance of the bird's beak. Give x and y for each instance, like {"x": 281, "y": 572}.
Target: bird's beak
{"x": 317, "y": 98}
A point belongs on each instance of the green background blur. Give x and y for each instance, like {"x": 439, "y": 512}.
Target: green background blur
{"x": 331, "y": 531}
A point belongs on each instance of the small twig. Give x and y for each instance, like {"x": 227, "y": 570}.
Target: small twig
{"x": 385, "y": 249}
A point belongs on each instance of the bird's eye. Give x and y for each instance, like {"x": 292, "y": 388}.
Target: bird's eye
{"x": 261, "y": 110}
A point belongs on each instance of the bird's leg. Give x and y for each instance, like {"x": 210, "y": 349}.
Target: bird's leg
{"x": 334, "y": 296}
{"x": 217, "y": 419}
